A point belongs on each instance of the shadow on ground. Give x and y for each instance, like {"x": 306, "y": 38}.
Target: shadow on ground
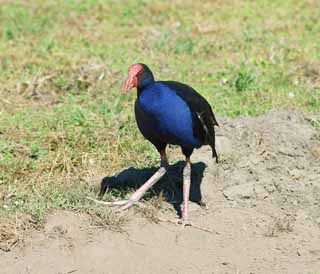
{"x": 170, "y": 185}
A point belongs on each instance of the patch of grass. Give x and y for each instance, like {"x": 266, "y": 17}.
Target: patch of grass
{"x": 64, "y": 118}
{"x": 280, "y": 225}
{"x": 245, "y": 78}
{"x": 184, "y": 45}
{"x": 150, "y": 209}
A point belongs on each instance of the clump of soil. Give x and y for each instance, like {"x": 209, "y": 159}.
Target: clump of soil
{"x": 272, "y": 162}
{"x": 263, "y": 204}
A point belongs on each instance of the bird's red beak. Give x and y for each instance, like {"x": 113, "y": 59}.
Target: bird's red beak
{"x": 132, "y": 80}
{"x": 130, "y": 83}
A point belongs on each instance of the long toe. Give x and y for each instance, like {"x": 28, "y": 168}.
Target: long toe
{"x": 185, "y": 223}
{"x": 128, "y": 204}
{"x": 115, "y": 203}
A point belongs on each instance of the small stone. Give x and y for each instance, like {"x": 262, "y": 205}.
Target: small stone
{"x": 243, "y": 191}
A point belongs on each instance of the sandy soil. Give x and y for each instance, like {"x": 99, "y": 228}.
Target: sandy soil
{"x": 263, "y": 205}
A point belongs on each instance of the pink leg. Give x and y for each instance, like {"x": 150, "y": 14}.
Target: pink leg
{"x": 186, "y": 191}
{"x": 186, "y": 194}
{"x": 136, "y": 196}
{"x": 144, "y": 188}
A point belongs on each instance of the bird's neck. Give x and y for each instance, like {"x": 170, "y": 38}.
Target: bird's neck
{"x": 144, "y": 84}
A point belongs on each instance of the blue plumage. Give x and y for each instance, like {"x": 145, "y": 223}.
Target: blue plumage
{"x": 169, "y": 114}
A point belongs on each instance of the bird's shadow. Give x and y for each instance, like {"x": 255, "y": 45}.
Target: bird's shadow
{"x": 170, "y": 185}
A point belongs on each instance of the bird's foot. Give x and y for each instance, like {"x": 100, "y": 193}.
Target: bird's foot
{"x": 123, "y": 204}
{"x": 186, "y": 222}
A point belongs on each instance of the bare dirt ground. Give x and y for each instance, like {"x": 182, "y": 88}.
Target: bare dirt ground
{"x": 263, "y": 205}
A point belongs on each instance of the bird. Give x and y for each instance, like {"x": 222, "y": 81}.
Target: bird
{"x": 169, "y": 112}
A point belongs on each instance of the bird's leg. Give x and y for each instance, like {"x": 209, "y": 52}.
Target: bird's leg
{"x": 164, "y": 160}
{"x": 186, "y": 194}
{"x": 136, "y": 196}
{"x": 186, "y": 191}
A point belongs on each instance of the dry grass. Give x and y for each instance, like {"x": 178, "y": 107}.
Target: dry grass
{"x": 280, "y": 225}
{"x": 150, "y": 209}
{"x": 12, "y": 230}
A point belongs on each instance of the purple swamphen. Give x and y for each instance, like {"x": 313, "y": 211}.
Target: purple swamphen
{"x": 169, "y": 112}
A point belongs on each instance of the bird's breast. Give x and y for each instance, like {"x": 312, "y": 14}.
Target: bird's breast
{"x": 170, "y": 114}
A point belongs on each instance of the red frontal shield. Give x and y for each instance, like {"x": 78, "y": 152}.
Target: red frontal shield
{"x": 132, "y": 80}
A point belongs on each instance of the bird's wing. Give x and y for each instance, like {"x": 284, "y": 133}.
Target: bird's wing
{"x": 194, "y": 100}
{"x": 203, "y": 119}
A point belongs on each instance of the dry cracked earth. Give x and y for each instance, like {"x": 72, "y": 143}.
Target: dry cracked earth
{"x": 262, "y": 204}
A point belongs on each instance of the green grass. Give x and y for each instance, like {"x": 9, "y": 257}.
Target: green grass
{"x": 63, "y": 116}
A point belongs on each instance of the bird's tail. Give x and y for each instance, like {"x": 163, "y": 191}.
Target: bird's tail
{"x": 214, "y": 152}
{"x": 212, "y": 136}
{"x": 212, "y": 142}
{"x": 208, "y": 123}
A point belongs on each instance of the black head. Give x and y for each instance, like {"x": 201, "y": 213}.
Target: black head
{"x": 139, "y": 76}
